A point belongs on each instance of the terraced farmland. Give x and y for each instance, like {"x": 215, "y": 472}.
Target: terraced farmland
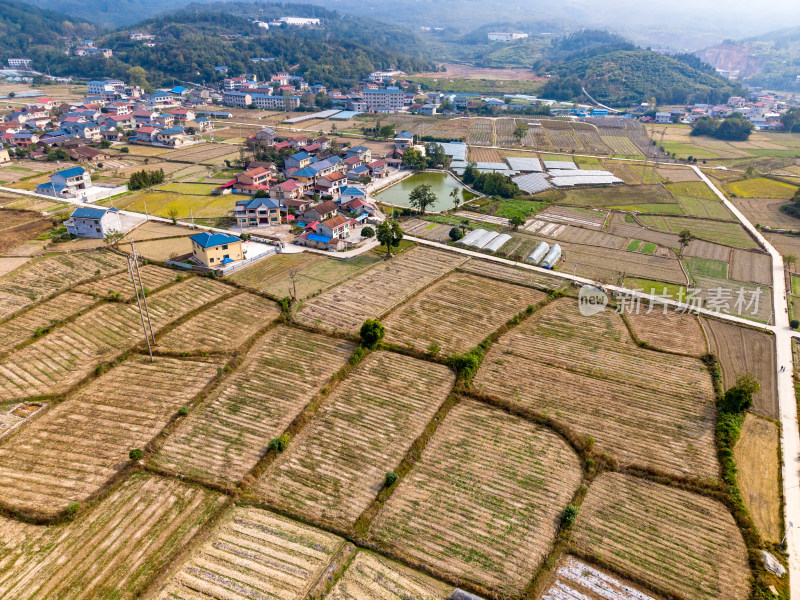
{"x": 458, "y": 312}
{"x": 510, "y": 274}
{"x": 153, "y": 278}
{"x": 669, "y": 330}
{"x": 224, "y": 438}
{"x": 334, "y": 468}
{"x": 110, "y": 551}
{"x": 55, "y": 362}
{"x": 575, "y": 579}
{"x": 224, "y": 327}
{"x": 253, "y": 554}
{"x": 646, "y": 407}
{"x": 52, "y": 274}
{"x": 375, "y": 292}
{"x": 22, "y": 327}
{"x": 371, "y": 576}
{"x": 484, "y": 500}
{"x": 71, "y": 452}
{"x": 679, "y": 542}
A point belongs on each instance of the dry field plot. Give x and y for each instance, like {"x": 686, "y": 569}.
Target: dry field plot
{"x": 111, "y": 551}
{"x": 201, "y": 153}
{"x": 17, "y": 227}
{"x": 679, "y": 542}
{"x": 511, "y": 274}
{"x": 483, "y": 502}
{"x": 164, "y": 249}
{"x": 766, "y": 211}
{"x": 334, "y": 468}
{"x": 484, "y": 155}
{"x": 153, "y": 278}
{"x": 757, "y": 459}
{"x": 708, "y": 250}
{"x": 671, "y": 331}
{"x": 253, "y": 555}
{"x": 72, "y": 451}
{"x": 751, "y": 266}
{"x": 646, "y": 407}
{"x": 155, "y": 230}
{"x": 458, "y": 312}
{"x": 743, "y": 350}
{"x": 57, "y": 361}
{"x": 48, "y": 275}
{"x": 223, "y": 439}
{"x": 372, "y": 577}
{"x": 266, "y": 272}
{"x": 223, "y": 327}
{"x": 426, "y": 230}
{"x": 23, "y": 326}
{"x": 380, "y": 289}
{"x": 577, "y": 580}
{"x": 480, "y": 132}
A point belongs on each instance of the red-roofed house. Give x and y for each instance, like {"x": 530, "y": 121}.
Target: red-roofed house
{"x": 288, "y": 189}
{"x": 335, "y": 227}
{"x": 331, "y": 184}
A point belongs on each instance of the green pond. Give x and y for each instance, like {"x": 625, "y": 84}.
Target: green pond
{"x": 441, "y": 185}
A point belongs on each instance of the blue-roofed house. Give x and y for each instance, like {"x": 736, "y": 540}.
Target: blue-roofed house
{"x": 351, "y": 192}
{"x": 93, "y": 222}
{"x": 298, "y": 161}
{"x": 361, "y": 152}
{"x": 258, "y": 212}
{"x": 172, "y": 137}
{"x": 179, "y": 90}
{"x": 327, "y": 165}
{"x": 307, "y": 176}
{"x": 403, "y": 139}
{"x": 216, "y": 249}
{"x": 358, "y": 173}
{"x": 69, "y": 183}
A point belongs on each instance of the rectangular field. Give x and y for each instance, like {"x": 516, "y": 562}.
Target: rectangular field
{"x": 253, "y": 554}
{"x": 743, "y": 350}
{"x": 457, "y": 313}
{"x": 55, "y": 362}
{"x": 483, "y": 502}
{"x": 729, "y": 234}
{"x": 335, "y": 467}
{"x": 111, "y": 551}
{"x": 153, "y": 278}
{"x": 682, "y": 543}
{"x": 222, "y": 440}
{"x": 511, "y": 274}
{"x": 670, "y": 330}
{"x": 657, "y": 410}
{"x": 222, "y": 328}
{"x": 74, "y": 449}
{"x": 377, "y": 291}
{"x": 577, "y": 580}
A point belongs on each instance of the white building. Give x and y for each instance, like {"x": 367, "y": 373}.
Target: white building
{"x": 384, "y": 76}
{"x": 663, "y": 118}
{"x": 105, "y": 86}
{"x": 69, "y": 183}
{"x": 299, "y": 21}
{"x": 93, "y": 222}
{"x": 391, "y": 97}
{"x": 262, "y": 24}
{"x": 502, "y": 36}
{"x": 19, "y": 63}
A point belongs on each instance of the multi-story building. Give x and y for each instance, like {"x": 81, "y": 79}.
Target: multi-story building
{"x": 391, "y": 97}
{"x": 503, "y": 36}
{"x": 69, "y": 183}
{"x": 215, "y": 249}
{"x": 19, "y": 63}
{"x": 93, "y": 222}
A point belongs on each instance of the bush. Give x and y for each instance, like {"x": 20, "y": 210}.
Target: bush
{"x": 73, "y": 508}
{"x": 390, "y": 479}
{"x": 244, "y": 236}
{"x": 739, "y": 397}
{"x": 125, "y": 150}
{"x": 279, "y": 443}
{"x": 568, "y": 516}
{"x": 357, "y": 355}
{"x": 136, "y": 454}
{"x": 367, "y": 232}
{"x": 794, "y": 323}
{"x": 466, "y": 365}
{"x": 434, "y": 349}
{"x": 183, "y": 411}
{"x": 286, "y": 305}
{"x": 456, "y": 234}
{"x": 372, "y": 332}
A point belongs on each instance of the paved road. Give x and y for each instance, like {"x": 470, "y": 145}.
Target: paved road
{"x": 790, "y": 436}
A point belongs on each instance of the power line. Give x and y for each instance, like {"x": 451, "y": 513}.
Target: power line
{"x": 133, "y": 267}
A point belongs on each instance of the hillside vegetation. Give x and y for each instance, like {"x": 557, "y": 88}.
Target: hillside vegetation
{"x": 24, "y": 28}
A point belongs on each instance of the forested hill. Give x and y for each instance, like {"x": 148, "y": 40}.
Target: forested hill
{"x": 619, "y": 73}
{"x": 24, "y": 28}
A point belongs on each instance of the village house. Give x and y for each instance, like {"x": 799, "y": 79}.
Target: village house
{"x": 335, "y": 227}
{"x": 93, "y": 222}
{"x": 86, "y": 154}
{"x": 172, "y": 137}
{"x": 331, "y": 184}
{"x": 362, "y": 152}
{"x": 322, "y": 211}
{"x": 257, "y": 212}
{"x": 252, "y": 181}
{"x": 24, "y": 140}
{"x": 216, "y": 249}
{"x": 266, "y": 136}
{"x": 5, "y": 159}
{"x": 307, "y": 176}
{"x": 288, "y": 189}
{"x": 299, "y": 160}
{"x": 69, "y": 183}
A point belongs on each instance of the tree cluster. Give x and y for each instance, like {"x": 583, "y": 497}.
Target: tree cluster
{"x": 732, "y": 129}
{"x": 491, "y": 184}
{"x": 145, "y": 179}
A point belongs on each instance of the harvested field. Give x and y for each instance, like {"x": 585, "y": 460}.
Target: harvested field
{"x": 16, "y": 415}
{"x": 707, "y": 250}
{"x": 669, "y": 330}
{"x": 743, "y": 350}
{"x": 17, "y": 227}
{"x": 374, "y": 293}
{"x": 619, "y": 226}
{"x": 110, "y": 551}
{"x": 484, "y": 155}
{"x": 221, "y": 441}
{"x": 165, "y": 249}
{"x": 767, "y": 212}
{"x": 457, "y": 313}
{"x": 600, "y": 197}
{"x": 426, "y": 230}
{"x": 370, "y": 576}
{"x": 262, "y": 274}
{"x": 657, "y": 410}
{"x": 629, "y": 173}
{"x": 511, "y": 274}
{"x": 682, "y": 543}
{"x": 222, "y": 328}
{"x": 253, "y": 554}
{"x": 72, "y": 451}
{"x": 751, "y": 266}
{"x": 757, "y": 460}
{"x": 156, "y": 230}
{"x": 677, "y": 175}
{"x": 48, "y": 275}
{"x": 55, "y": 362}
{"x": 572, "y": 216}
{"x": 335, "y": 467}
{"x": 480, "y": 132}
{"x": 153, "y": 278}
{"x": 211, "y": 154}
{"x": 729, "y": 234}
{"x": 483, "y": 502}
{"x": 25, "y": 325}
{"x": 761, "y": 187}
{"x": 740, "y": 298}
{"x": 577, "y": 580}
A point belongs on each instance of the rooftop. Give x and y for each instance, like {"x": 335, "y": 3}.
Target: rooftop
{"x": 209, "y": 240}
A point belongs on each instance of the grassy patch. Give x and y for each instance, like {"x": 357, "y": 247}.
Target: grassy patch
{"x": 655, "y": 209}
{"x": 693, "y": 189}
{"x": 705, "y": 267}
{"x": 686, "y": 150}
{"x": 508, "y": 208}
{"x": 650, "y": 286}
{"x": 634, "y": 245}
{"x": 761, "y": 187}
{"x": 729, "y": 234}
{"x": 648, "y": 248}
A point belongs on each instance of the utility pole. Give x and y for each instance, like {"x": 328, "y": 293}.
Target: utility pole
{"x": 133, "y": 266}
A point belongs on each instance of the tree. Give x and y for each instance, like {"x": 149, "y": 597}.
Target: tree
{"x": 422, "y": 197}
{"x": 520, "y": 131}
{"x": 455, "y": 196}
{"x": 516, "y": 221}
{"x": 136, "y": 454}
{"x": 413, "y": 159}
{"x": 789, "y": 260}
{"x": 389, "y": 234}
{"x": 372, "y": 332}
{"x": 685, "y": 238}
{"x": 367, "y": 232}
{"x": 138, "y": 76}
{"x": 456, "y": 234}
{"x": 740, "y": 397}
{"x": 113, "y": 237}
{"x": 145, "y": 179}
{"x": 173, "y": 214}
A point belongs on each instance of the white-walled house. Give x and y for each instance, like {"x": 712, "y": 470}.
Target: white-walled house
{"x": 93, "y": 222}
{"x": 69, "y": 183}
